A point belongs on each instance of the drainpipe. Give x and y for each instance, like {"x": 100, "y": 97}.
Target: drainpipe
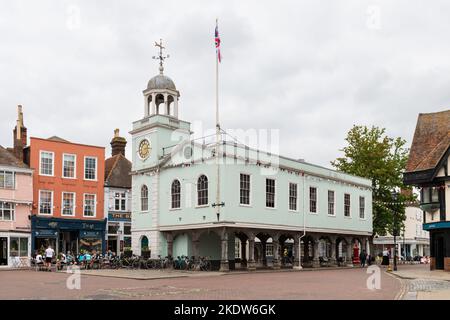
{"x": 304, "y": 225}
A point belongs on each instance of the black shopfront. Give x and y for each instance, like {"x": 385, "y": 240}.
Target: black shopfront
{"x": 68, "y": 234}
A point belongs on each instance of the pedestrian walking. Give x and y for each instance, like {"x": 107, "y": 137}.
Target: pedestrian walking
{"x": 369, "y": 259}
{"x": 362, "y": 258}
{"x": 49, "y": 253}
{"x": 385, "y": 261}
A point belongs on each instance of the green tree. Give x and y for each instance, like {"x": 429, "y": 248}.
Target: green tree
{"x": 371, "y": 154}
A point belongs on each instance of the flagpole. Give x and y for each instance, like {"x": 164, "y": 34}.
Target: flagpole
{"x": 218, "y": 137}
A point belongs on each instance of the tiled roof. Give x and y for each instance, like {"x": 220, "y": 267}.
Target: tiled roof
{"x": 431, "y": 141}
{"x": 8, "y": 159}
{"x": 58, "y": 139}
{"x": 117, "y": 172}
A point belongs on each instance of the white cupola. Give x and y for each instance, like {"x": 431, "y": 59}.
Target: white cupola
{"x": 161, "y": 96}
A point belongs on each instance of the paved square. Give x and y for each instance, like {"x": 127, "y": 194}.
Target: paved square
{"x": 322, "y": 284}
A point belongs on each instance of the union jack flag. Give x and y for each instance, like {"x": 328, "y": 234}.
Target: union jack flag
{"x": 217, "y": 37}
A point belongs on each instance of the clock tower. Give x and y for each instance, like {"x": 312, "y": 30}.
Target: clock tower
{"x": 160, "y": 129}
{"x": 154, "y": 138}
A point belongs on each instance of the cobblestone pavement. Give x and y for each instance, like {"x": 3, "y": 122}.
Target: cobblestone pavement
{"x": 419, "y": 283}
{"x": 322, "y": 284}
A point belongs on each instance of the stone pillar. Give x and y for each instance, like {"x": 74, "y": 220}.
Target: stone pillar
{"x": 224, "y": 265}
{"x": 276, "y": 255}
{"x": 296, "y": 253}
{"x": 316, "y": 262}
{"x": 333, "y": 260}
{"x": 243, "y": 253}
{"x": 349, "y": 261}
{"x": 166, "y": 104}
{"x": 175, "y": 105}
{"x": 146, "y": 106}
{"x": 169, "y": 239}
{"x": 195, "y": 236}
{"x": 263, "y": 253}
{"x": 153, "y": 105}
{"x": 251, "y": 253}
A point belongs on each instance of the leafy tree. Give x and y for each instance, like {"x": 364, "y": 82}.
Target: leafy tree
{"x": 371, "y": 154}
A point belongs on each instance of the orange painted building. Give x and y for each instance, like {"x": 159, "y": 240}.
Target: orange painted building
{"x": 68, "y": 195}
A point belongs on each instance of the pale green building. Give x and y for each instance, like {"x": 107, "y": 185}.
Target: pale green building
{"x": 275, "y": 211}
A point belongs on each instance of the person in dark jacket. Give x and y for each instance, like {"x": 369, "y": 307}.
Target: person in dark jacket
{"x": 362, "y": 258}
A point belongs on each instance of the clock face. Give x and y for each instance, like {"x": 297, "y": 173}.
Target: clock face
{"x": 144, "y": 149}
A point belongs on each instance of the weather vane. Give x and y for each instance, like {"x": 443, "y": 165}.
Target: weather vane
{"x": 160, "y": 56}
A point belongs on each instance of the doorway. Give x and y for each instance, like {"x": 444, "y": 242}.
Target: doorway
{"x": 439, "y": 250}
{"x": 112, "y": 244}
{"x": 3, "y": 251}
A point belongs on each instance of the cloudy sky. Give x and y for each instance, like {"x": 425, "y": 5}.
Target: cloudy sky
{"x": 311, "y": 69}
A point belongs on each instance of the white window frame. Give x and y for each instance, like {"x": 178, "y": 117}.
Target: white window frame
{"x": 120, "y": 198}
{"x": 250, "y": 190}
{"x": 74, "y": 204}
{"x": 274, "y": 193}
{"x": 334, "y": 203}
{"x": 40, "y": 163}
{"x": 96, "y": 168}
{"x": 309, "y": 199}
{"x": 51, "y": 204}
{"x": 350, "y": 206}
{"x": 208, "y": 191}
{"x": 170, "y": 196}
{"x": 95, "y": 204}
{"x": 74, "y": 168}
{"x": 4, "y": 181}
{"x": 296, "y": 197}
{"x": 140, "y": 198}
{"x": 12, "y": 212}
{"x": 364, "y": 207}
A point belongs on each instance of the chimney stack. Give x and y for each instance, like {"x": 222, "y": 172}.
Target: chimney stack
{"x": 118, "y": 144}
{"x": 19, "y": 135}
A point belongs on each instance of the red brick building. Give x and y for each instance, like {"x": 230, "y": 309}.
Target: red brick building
{"x": 68, "y": 195}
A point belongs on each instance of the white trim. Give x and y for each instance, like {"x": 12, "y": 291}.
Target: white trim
{"x": 350, "y": 211}
{"x": 140, "y": 199}
{"x": 13, "y": 213}
{"x": 257, "y": 226}
{"x": 275, "y": 202}
{"x": 39, "y": 204}
{"x": 84, "y": 168}
{"x": 334, "y": 203}
{"x": 74, "y": 204}
{"x": 250, "y": 198}
{"x": 289, "y": 196}
{"x": 309, "y": 199}
{"x": 95, "y": 204}
{"x": 170, "y": 194}
{"x": 53, "y": 163}
{"x": 74, "y": 168}
{"x": 196, "y": 191}
{"x": 359, "y": 208}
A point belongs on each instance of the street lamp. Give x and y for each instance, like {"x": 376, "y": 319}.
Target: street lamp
{"x": 395, "y": 231}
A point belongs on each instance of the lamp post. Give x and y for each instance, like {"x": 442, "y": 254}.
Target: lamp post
{"x": 395, "y": 231}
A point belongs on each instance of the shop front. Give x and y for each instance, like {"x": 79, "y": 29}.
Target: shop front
{"x": 119, "y": 232}
{"x": 14, "y": 249}
{"x": 68, "y": 234}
